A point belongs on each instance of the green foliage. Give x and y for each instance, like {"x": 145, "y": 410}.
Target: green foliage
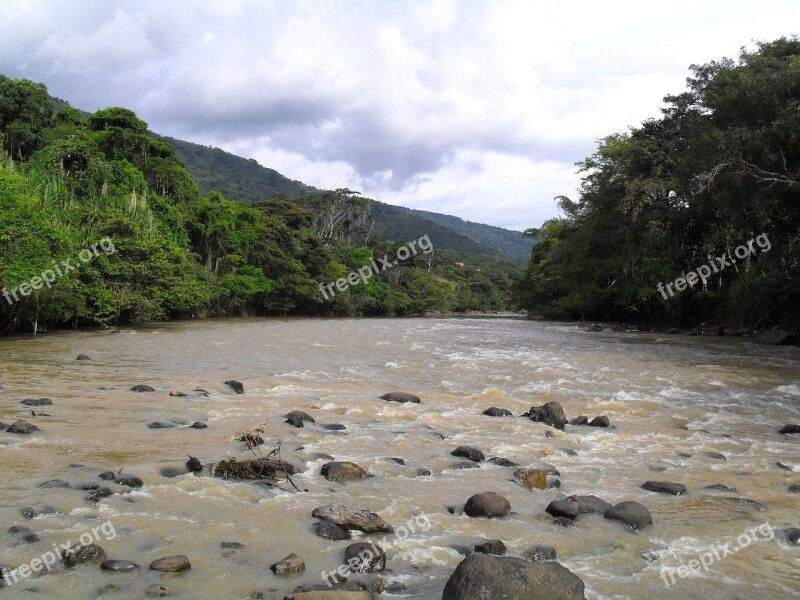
{"x": 719, "y": 168}
{"x": 79, "y": 179}
{"x": 25, "y": 112}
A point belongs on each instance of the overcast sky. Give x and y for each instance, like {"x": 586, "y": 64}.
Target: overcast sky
{"x": 477, "y": 108}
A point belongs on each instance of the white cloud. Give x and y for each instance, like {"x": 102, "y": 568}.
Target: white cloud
{"x": 478, "y": 108}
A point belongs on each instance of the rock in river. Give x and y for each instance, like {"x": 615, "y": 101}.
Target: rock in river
{"x": 497, "y": 412}
{"x": 401, "y": 397}
{"x": 331, "y": 531}
{"x": 791, "y": 428}
{"x": 342, "y": 471}
{"x": 365, "y": 557}
{"x": 487, "y": 504}
{"x": 171, "y": 564}
{"x": 24, "y": 535}
{"x": 37, "y": 402}
{"x": 485, "y": 577}
{"x": 120, "y": 566}
{"x": 551, "y": 414}
{"x": 350, "y": 518}
{"x": 664, "y": 487}
{"x": 468, "y": 452}
{"x": 539, "y": 553}
{"x": 533, "y": 479}
{"x": 22, "y": 427}
{"x": 494, "y": 547}
{"x": 301, "y": 415}
{"x": 80, "y": 554}
{"x": 634, "y": 515}
{"x": 131, "y": 481}
{"x": 564, "y": 508}
{"x": 236, "y": 386}
{"x": 590, "y": 504}
{"x": 141, "y": 388}
{"x": 290, "y": 564}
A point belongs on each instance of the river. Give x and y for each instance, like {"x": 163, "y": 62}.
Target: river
{"x": 671, "y": 399}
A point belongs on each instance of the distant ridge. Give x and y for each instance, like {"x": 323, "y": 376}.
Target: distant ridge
{"x": 244, "y": 179}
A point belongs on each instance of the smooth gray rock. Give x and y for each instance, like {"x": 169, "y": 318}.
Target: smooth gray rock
{"x": 485, "y": 577}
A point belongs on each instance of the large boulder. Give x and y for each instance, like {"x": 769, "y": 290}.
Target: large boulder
{"x": 487, "y": 504}
{"x": 485, "y": 577}
{"x": 401, "y": 397}
{"x": 791, "y": 428}
{"x": 342, "y": 471}
{"x": 551, "y": 414}
{"x": 634, "y": 515}
{"x": 351, "y": 518}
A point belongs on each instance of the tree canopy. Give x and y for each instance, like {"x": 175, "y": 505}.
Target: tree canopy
{"x": 720, "y": 167}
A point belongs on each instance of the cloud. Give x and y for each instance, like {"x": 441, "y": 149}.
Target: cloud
{"x": 474, "y": 107}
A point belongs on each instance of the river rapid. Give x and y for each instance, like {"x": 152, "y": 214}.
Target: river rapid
{"x": 670, "y": 399}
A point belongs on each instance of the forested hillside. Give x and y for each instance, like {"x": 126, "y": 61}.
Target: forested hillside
{"x": 667, "y": 224}
{"x": 215, "y": 170}
{"x": 101, "y": 223}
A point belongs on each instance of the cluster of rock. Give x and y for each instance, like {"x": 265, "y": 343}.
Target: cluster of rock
{"x": 485, "y": 572}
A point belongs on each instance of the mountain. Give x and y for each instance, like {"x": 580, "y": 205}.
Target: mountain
{"x": 232, "y": 176}
{"x": 244, "y": 179}
{"x": 489, "y": 239}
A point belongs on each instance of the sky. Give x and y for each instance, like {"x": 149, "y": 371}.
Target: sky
{"x": 475, "y": 108}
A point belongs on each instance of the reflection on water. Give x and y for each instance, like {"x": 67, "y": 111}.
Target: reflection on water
{"x": 671, "y": 399}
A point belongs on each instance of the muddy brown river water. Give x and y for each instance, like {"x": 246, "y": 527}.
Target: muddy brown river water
{"x": 671, "y": 399}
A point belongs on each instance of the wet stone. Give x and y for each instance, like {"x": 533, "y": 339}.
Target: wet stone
{"x": 171, "y": 564}
{"x": 120, "y": 566}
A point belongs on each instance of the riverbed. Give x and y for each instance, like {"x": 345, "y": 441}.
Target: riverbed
{"x": 675, "y": 404}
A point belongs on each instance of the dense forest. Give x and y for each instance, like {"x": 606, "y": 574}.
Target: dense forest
{"x": 70, "y": 183}
{"x": 677, "y": 201}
